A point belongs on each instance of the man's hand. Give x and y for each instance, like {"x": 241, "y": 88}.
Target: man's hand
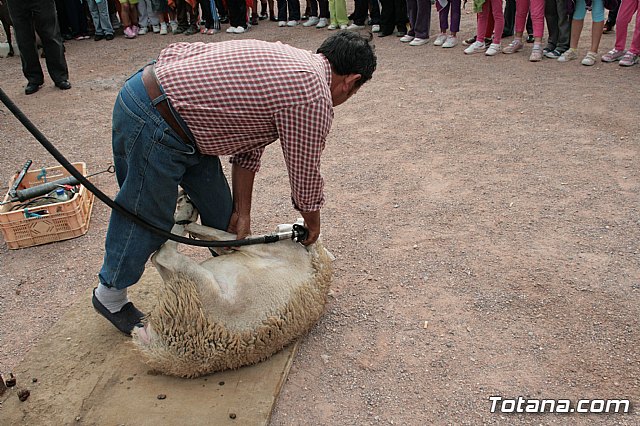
{"x": 312, "y": 222}
{"x": 240, "y": 225}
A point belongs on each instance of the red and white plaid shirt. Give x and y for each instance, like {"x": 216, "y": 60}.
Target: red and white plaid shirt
{"x": 239, "y": 96}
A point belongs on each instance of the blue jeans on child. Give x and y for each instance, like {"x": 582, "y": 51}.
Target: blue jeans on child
{"x": 151, "y": 161}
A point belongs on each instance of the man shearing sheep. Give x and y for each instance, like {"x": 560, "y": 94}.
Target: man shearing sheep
{"x": 174, "y": 118}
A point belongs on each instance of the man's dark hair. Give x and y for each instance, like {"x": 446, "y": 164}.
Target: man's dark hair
{"x": 349, "y": 52}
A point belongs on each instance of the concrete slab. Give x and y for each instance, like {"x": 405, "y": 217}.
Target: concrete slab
{"x": 90, "y": 374}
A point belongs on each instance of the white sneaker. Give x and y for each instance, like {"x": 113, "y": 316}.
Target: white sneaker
{"x": 239, "y": 30}
{"x": 406, "y": 38}
{"x": 322, "y": 23}
{"x": 231, "y": 30}
{"x": 451, "y": 42}
{"x": 375, "y": 28}
{"x": 418, "y": 41}
{"x": 163, "y": 28}
{"x": 494, "y": 48}
{"x": 143, "y": 30}
{"x": 174, "y": 25}
{"x": 440, "y": 40}
{"x": 313, "y": 20}
{"x": 156, "y": 28}
{"x": 475, "y": 47}
{"x": 292, "y": 23}
{"x": 332, "y": 27}
{"x": 343, "y": 26}
{"x": 355, "y": 27}
{"x": 282, "y": 23}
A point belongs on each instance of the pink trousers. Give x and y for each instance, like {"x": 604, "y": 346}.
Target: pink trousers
{"x": 537, "y": 16}
{"x": 491, "y": 7}
{"x": 625, "y": 14}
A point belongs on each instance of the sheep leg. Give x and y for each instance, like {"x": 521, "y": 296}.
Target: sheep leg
{"x": 209, "y": 234}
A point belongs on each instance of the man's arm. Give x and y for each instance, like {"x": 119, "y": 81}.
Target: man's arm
{"x": 242, "y": 183}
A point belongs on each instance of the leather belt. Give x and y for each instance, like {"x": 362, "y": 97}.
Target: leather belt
{"x": 152, "y": 87}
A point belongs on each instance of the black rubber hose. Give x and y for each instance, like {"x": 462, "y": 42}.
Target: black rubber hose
{"x": 109, "y": 202}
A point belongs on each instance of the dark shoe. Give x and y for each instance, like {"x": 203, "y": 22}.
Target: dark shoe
{"x": 109, "y": 37}
{"x": 254, "y": 20}
{"x": 381, "y": 34}
{"x": 125, "y": 320}
{"x": 179, "y": 30}
{"x": 401, "y": 33}
{"x": 31, "y": 88}
{"x": 608, "y": 27}
{"x": 530, "y": 38}
{"x": 98, "y": 37}
{"x": 191, "y": 30}
{"x": 469, "y": 41}
{"x": 63, "y": 85}
{"x": 224, "y": 19}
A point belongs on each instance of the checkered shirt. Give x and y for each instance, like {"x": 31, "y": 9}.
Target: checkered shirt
{"x": 239, "y": 96}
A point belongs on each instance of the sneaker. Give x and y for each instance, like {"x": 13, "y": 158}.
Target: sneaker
{"x": 536, "y": 54}
{"x": 530, "y": 38}
{"x": 567, "y": 56}
{"x": 469, "y": 41}
{"x": 494, "y": 48}
{"x": 163, "y": 28}
{"x": 240, "y": 30}
{"x": 322, "y": 23}
{"x": 343, "y": 26}
{"x": 475, "y": 47}
{"x": 553, "y": 54}
{"x": 418, "y": 41}
{"x": 312, "y": 21}
{"x": 108, "y": 37}
{"x": 179, "y": 30}
{"x": 451, "y": 42}
{"x": 487, "y": 42}
{"x": 513, "y": 47}
{"x": 353, "y": 27}
{"x": 612, "y": 55}
{"x": 143, "y": 30}
{"x": 590, "y": 59}
{"x": 129, "y": 32}
{"x": 292, "y": 23}
{"x": 155, "y": 28}
{"x": 375, "y": 28}
{"x": 231, "y": 30}
{"x": 332, "y": 27}
{"x": 174, "y": 25}
{"x": 282, "y": 23}
{"x": 406, "y": 38}
{"x": 439, "y": 41}
{"x": 629, "y": 59}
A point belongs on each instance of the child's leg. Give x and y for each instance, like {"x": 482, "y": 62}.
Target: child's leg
{"x": 490, "y": 22}
{"x": 597, "y": 25}
{"x": 125, "y": 15}
{"x": 577, "y": 23}
{"x": 498, "y": 19}
{"x": 455, "y": 16}
{"x": 635, "y": 40}
{"x": 483, "y": 21}
{"x": 443, "y": 16}
{"x": 332, "y": 12}
{"x": 537, "y": 18}
{"x": 625, "y": 13}
{"x": 133, "y": 12}
{"x": 282, "y": 10}
{"x": 294, "y": 9}
{"x": 341, "y": 12}
{"x": 522, "y": 10}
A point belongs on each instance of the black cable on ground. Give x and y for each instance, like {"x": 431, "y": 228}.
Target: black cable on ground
{"x": 112, "y": 204}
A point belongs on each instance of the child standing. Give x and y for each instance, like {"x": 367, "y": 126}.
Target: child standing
{"x": 146, "y": 17}
{"x": 559, "y": 27}
{"x": 293, "y": 9}
{"x": 419, "y": 12}
{"x": 443, "y": 7}
{"x": 101, "y": 20}
{"x": 524, "y": 7}
{"x": 625, "y": 13}
{"x": 597, "y": 16}
{"x": 486, "y": 8}
{"x": 338, "y": 14}
{"x": 129, "y": 17}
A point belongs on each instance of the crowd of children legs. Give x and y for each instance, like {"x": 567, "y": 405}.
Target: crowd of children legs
{"x": 408, "y": 19}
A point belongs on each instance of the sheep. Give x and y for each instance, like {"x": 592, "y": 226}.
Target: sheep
{"x": 232, "y": 310}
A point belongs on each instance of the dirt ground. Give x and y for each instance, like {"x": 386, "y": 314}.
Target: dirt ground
{"x": 483, "y": 212}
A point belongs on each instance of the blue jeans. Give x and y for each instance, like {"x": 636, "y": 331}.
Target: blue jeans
{"x": 151, "y": 161}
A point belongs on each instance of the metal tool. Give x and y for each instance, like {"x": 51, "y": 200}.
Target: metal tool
{"x": 45, "y": 188}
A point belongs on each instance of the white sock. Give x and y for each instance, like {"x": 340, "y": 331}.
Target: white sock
{"x": 111, "y": 298}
